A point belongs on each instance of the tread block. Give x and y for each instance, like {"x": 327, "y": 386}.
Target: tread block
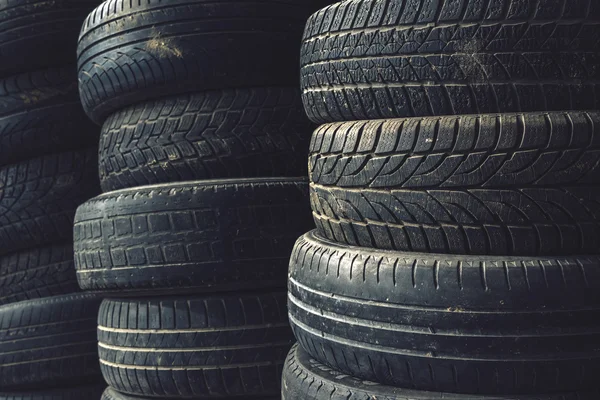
{"x": 199, "y": 235}
{"x": 508, "y": 184}
{"x": 449, "y": 58}
{"x": 210, "y": 135}
{"x": 38, "y": 198}
{"x": 37, "y": 273}
{"x": 478, "y": 151}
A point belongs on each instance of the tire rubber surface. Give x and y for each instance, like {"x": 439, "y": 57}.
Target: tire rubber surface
{"x": 508, "y": 184}
{"x": 49, "y": 343}
{"x": 191, "y": 236}
{"x": 460, "y": 324}
{"x": 371, "y": 59}
{"x": 304, "y": 378}
{"x": 255, "y": 132}
{"x": 218, "y": 346}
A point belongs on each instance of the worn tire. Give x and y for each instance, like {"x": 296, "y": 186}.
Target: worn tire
{"x": 195, "y": 346}
{"x": 211, "y": 135}
{"x": 40, "y": 113}
{"x": 33, "y": 274}
{"x": 37, "y": 34}
{"x": 49, "y": 343}
{"x": 73, "y": 393}
{"x": 304, "y": 378}
{"x": 472, "y": 151}
{"x": 204, "y": 235}
{"x": 461, "y": 324}
{"x": 370, "y": 59}
{"x": 529, "y": 221}
{"x": 509, "y": 184}
{"x": 38, "y": 198}
{"x": 175, "y": 48}
{"x": 111, "y": 394}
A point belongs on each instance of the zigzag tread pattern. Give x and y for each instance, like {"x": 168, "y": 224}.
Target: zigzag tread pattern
{"x": 363, "y": 60}
{"x": 49, "y": 341}
{"x": 485, "y": 151}
{"x": 353, "y": 15}
{"x": 211, "y": 135}
{"x": 229, "y": 345}
{"x": 38, "y": 132}
{"x": 38, "y": 198}
{"x": 525, "y": 221}
{"x": 41, "y": 272}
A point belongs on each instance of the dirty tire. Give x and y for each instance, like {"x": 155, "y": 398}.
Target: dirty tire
{"x": 525, "y": 221}
{"x": 210, "y": 135}
{"x": 111, "y": 394}
{"x": 33, "y": 274}
{"x": 195, "y": 346}
{"x": 72, "y": 393}
{"x": 203, "y": 235}
{"x": 460, "y": 324}
{"x": 304, "y": 378}
{"x": 40, "y": 113}
{"x": 509, "y": 184}
{"x": 177, "y": 48}
{"x": 38, "y": 198}
{"x": 49, "y": 343}
{"x": 477, "y": 151}
{"x": 371, "y": 59}
{"x": 37, "y": 34}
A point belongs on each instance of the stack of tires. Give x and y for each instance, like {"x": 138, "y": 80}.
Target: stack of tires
{"x": 47, "y": 169}
{"x": 455, "y": 189}
{"x": 202, "y": 163}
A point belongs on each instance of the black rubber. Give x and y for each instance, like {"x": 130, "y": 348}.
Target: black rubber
{"x": 38, "y": 198}
{"x": 304, "y": 378}
{"x": 73, "y": 393}
{"x": 371, "y": 59}
{"x": 478, "y": 151}
{"x": 510, "y": 184}
{"x": 49, "y": 343}
{"x": 42, "y": 272}
{"x": 37, "y": 34}
{"x": 137, "y": 51}
{"x": 529, "y": 221}
{"x": 460, "y": 324}
{"x": 40, "y": 113}
{"x": 210, "y": 135}
{"x": 111, "y": 394}
{"x": 195, "y": 346}
{"x": 202, "y": 235}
